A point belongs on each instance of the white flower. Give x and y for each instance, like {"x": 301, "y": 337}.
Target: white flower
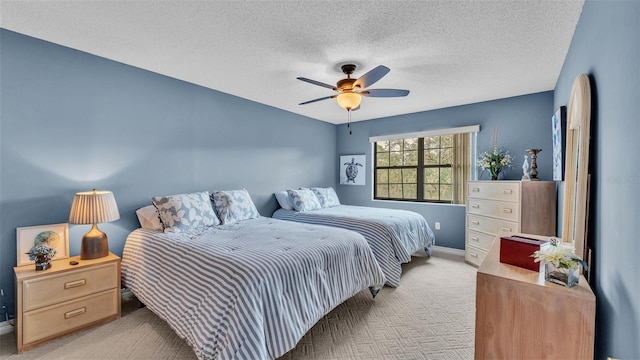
{"x": 561, "y": 256}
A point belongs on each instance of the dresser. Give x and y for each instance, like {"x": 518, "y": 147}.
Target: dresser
{"x": 499, "y": 208}
{"x": 65, "y": 298}
{"x": 519, "y": 315}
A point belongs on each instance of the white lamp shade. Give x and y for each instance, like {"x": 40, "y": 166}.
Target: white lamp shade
{"x": 349, "y": 100}
{"x": 93, "y": 207}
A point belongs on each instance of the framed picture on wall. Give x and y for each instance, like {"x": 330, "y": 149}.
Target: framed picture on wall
{"x": 352, "y": 169}
{"x": 54, "y": 235}
{"x": 558, "y": 128}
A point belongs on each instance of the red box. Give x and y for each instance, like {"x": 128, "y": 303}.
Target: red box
{"x": 517, "y": 251}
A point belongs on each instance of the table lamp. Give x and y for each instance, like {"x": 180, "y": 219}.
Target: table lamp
{"x": 93, "y": 207}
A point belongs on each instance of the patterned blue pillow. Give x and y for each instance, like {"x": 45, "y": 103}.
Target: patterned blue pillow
{"x": 304, "y": 200}
{"x": 234, "y": 205}
{"x": 327, "y": 196}
{"x": 185, "y": 212}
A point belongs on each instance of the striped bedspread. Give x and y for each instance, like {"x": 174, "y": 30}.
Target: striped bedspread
{"x": 392, "y": 234}
{"x": 248, "y": 290}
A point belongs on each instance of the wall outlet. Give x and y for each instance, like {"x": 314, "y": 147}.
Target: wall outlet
{"x": 437, "y": 226}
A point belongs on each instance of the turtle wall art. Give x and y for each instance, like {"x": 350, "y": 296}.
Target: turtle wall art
{"x": 352, "y": 169}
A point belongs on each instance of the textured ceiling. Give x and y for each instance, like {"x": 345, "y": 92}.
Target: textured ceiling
{"x": 446, "y": 53}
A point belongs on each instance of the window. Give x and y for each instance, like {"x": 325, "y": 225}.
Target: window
{"x": 430, "y": 167}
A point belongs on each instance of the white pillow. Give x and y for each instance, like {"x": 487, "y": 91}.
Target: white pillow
{"x": 326, "y": 196}
{"x": 149, "y": 218}
{"x": 283, "y": 199}
{"x": 332, "y": 198}
{"x": 185, "y": 212}
{"x": 304, "y": 200}
{"x": 234, "y": 205}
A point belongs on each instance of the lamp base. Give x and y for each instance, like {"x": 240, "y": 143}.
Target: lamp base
{"x": 95, "y": 244}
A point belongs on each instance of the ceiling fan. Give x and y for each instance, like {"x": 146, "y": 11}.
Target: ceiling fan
{"x": 350, "y": 91}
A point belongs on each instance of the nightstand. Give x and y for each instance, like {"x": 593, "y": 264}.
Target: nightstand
{"x": 65, "y": 298}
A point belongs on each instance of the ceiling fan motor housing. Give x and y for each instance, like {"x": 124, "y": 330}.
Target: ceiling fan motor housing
{"x": 345, "y": 85}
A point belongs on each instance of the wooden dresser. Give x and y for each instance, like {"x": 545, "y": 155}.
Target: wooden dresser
{"x": 519, "y": 315}
{"x": 505, "y": 208}
{"x": 65, "y": 298}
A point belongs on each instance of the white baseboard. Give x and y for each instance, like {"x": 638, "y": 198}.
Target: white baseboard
{"x": 446, "y": 250}
{"x": 5, "y": 327}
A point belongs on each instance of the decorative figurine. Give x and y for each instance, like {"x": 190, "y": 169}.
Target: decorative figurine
{"x": 525, "y": 169}
{"x": 534, "y": 165}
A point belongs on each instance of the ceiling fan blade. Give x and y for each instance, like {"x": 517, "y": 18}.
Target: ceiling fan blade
{"x": 371, "y": 77}
{"x": 318, "y": 99}
{"x": 384, "y": 93}
{"x": 317, "y": 83}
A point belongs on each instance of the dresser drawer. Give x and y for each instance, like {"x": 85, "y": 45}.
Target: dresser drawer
{"x": 65, "y": 317}
{"x": 496, "y": 190}
{"x": 491, "y": 226}
{"x": 499, "y": 209}
{"x": 474, "y": 255}
{"x": 479, "y": 240}
{"x": 49, "y": 290}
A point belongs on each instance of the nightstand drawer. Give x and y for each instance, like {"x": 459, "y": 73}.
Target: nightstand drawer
{"x": 496, "y": 190}
{"x": 498, "y": 209}
{"x": 49, "y": 290}
{"x": 479, "y": 240}
{"x": 62, "y": 318}
{"x": 492, "y": 226}
{"x": 474, "y": 255}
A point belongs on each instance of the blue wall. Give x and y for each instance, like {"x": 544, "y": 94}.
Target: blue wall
{"x": 524, "y": 122}
{"x": 606, "y": 46}
{"x": 70, "y": 121}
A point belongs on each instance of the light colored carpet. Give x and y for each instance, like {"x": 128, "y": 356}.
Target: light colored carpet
{"x": 430, "y": 316}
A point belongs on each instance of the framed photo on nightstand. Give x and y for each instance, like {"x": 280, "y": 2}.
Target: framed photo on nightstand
{"x": 54, "y": 235}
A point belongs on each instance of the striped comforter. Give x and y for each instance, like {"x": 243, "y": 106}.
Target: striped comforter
{"x": 248, "y": 290}
{"x": 392, "y": 234}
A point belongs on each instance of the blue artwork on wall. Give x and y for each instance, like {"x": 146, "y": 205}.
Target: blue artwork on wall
{"x": 558, "y": 126}
{"x": 349, "y": 165}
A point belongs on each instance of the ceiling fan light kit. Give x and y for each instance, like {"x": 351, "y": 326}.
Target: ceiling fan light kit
{"x": 349, "y": 100}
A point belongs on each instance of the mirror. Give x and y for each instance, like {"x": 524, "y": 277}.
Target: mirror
{"x": 574, "y": 222}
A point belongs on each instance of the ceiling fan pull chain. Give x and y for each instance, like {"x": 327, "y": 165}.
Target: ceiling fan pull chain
{"x": 349, "y": 121}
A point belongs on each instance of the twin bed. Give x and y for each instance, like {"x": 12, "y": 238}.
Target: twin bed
{"x": 241, "y": 286}
{"x": 393, "y": 235}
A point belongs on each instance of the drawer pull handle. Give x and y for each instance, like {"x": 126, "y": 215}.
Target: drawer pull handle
{"x": 475, "y": 206}
{"x": 76, "y": 312}
{"x": 475, "y": 222}
{"x": 475, "y": 190}
{"x": 475, "y": 238}
{"x": 473, "y": 255}
{"x": 507, "y": 211}
{"x": 507, "y": 191}
{"x": 75, "y": 283}
{"x": 506, "y": 229}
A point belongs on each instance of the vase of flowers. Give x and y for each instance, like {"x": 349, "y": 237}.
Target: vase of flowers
{"x": 42, "y": 254}
{"x": 561, "y": 264}
{"x": 496, "y": 159}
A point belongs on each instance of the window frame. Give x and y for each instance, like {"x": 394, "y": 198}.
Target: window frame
{"x": 420, "y": 167}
